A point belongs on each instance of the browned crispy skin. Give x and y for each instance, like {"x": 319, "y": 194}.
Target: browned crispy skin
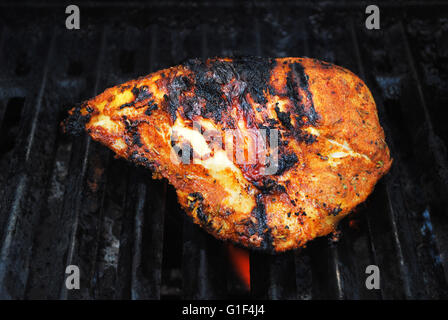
{"x": 332, "y": 148}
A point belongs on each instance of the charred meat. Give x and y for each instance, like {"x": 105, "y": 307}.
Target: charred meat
{"x": 266, "y": 153}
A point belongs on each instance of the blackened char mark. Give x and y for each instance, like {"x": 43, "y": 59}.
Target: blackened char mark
{"x": 191, "y": 107}
{"x": 262, "y": 229}
{"x": 142, "y": 160}
{"x": 136, "y": 139}
{"x": 210, "y": 91}
{"x": 256, "y": 73}
{"x": 195, "y": 200}
{"x": 176, "y": 89}
{"x": 305, "y": 114}
{"x": 222, "y": 71}
{"x": 311, "y": 113}
{"x": 286, "y": 162}
{"x": 218, "y": 82}
{"x": 299, "y": 71}
{"x": 208, "y": 88}
{"x": 305, "y": 137}
{"x": 126, "y": 105}
{"x": 151, "y": 107}
{"x": 203, "y": 218}
{"x": 195, "y": 196}
{"x": 132, "y": 131}
{"x": 284, "y": 117}
{"x": 335, "y": 210}
{"x": 172, "y": 103}
{"x": 269, "y": 186}
{"x": 76, "y": 122}
{"x": 140, "y": 94}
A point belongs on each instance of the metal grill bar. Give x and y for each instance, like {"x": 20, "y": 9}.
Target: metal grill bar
{"x": 368, "y": 216}
{"x": 196, "y": 282}
{"x": 202, "y": 256}
{"x": 393, "y": 221}
{"x": 283, "y": 283}
{"x": 2, "y": 40}
{"x": 16, "y": 242}
{"x": 412, "y": 273}
{"x": 73, "y": 206}
{"x": 438, "y": 153}
{"x": 435, "y": 143}
{"x": 138, "y": 227}
{"x": 340, "y": 279}
{"x": 302, "y": 259}
{"x": 50, "y": 240}
{"x": 149, "y": 219}
{"x": 353, "y": 249}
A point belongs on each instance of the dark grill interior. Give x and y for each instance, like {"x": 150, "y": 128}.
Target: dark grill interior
{"x": 68, "y": 201}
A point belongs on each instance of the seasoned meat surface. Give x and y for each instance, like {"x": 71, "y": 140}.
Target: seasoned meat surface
{"x": 266, "y": 153}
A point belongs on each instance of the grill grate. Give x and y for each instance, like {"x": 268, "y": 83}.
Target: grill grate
{"x": 68, "y": 201}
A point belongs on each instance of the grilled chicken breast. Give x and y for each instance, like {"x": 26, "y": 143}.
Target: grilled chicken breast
{"x": 312, "y": 126}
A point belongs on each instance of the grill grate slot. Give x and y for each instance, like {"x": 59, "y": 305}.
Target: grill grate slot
{"x": 10, "y": 123}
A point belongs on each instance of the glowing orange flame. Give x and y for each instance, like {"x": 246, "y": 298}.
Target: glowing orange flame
{"x": 240, "y": 261}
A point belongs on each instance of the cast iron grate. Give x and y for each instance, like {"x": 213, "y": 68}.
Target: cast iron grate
{"x": 68, "y": 201}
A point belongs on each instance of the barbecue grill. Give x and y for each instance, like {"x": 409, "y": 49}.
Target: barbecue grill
{"x": 68, "y": 201}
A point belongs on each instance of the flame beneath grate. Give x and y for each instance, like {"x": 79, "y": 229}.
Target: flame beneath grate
{"x": 240, "y": 262}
